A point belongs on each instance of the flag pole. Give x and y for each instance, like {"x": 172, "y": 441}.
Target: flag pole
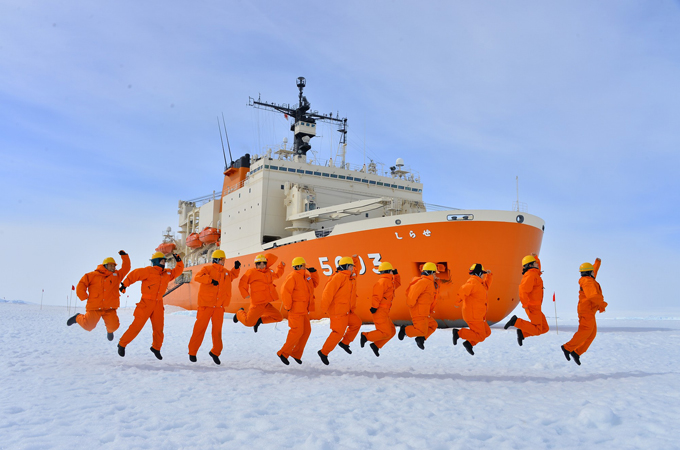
{"x": 555, "y": 303}
{"x": 41, "y": 298}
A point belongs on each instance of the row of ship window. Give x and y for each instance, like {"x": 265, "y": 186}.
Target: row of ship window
{"x": 333, "y": 175}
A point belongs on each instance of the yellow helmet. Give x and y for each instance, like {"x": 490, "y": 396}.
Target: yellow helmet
{"x": 586, "y": 267}
{"x": 260, "y": 258}
{"x": 219, "y": 254}
{"x": 158, "y": 255}
{"x": 528, "y": 260}
{"x": 346, "y": 260}
{"x": 472, "y": 268}
{"x": 430, "y": 266}
{"x": 109, "y": 260}
{"x": 385, "y": 266}
{"x": 299, "y": 261}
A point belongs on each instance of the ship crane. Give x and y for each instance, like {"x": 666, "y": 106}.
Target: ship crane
{"x": 304, "y": 127}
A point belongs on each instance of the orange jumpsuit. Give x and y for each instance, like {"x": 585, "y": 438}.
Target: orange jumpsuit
{"x": 211, "y": 303}
{"x": 155, "y": 281}
{"x": 531, "y": 296}
{"x": 472, "y": 295}
{"x": 262, "y": 293}
{"x": 339, "y": 300}
{"x": 421, "y": 298}
{"x": 590, "y": 300}
{"x": 297, "y": 296}
{"x": 383, "y": 293}
{"x": 100, "y": 289}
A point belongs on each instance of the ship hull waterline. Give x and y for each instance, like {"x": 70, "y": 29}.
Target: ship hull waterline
{"x": 499, "y": 246}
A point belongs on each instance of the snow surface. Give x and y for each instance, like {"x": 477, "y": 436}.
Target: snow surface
{"x": 66, "y": 388}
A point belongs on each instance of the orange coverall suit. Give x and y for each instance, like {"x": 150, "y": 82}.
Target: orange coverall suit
{"x": 262, "y": 293}
{"x": 100, "y": 289}
{"x": 421, "y": 298}
{"x": 339, "y": 300}
{"x": 531, "y": 296}
{"x": 473, "y": 297}
{"x": 297, "y": 295}
{"x": 211, "y": 303}
{"x": 154, "y": 284}
{"x": 590, "y": 300}
{"x": 383, "y": 293}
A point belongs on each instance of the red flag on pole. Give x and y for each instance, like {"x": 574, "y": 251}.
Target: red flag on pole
{"x": 553, "y": 296}
{"x": 285, "y": 115}
{"x": 73, "y": 288}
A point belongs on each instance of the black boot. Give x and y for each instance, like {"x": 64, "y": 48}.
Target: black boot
{"x": 520, "y": 337}
{"x": 157, "y": 353}
{"x": 455, "y": 336}
{"x": 121, "y": 350}
{"x": 284, "y": 359}
{"x": 375, "y": 349}
{"x": 420, "y": 342}
{"x": 257, "y": 324}
{"x": 468, "y": 347}
{"x": 324, "y": 358}
{"x": 363, "y": 340}
{"x": 577, "y": 358}
{"x": 235, "y": 318}
{"x": 511, "y": 323}
{"x": 72, "y": 320}
{"x": 192, "y": 358}
{"x": 216, "y": 359}
{"x": 299, "y": 361}
{"x": 402, "y": 332}
{"x": 109, "y": 336}
{"x": 566, "y": 353}
{"x": 345, "y": 347}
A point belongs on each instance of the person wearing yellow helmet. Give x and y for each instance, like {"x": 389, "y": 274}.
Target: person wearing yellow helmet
{"x": 421, "y": 298}
{"x": 214, "y": 295}
{"x": 381, "y": 303}
{"x": 257, "y": 284}
{"x": 531, "y": 296}
{"x": 339, "y": 301}
{"x": 473, "y": 296}
{"x": 100, "y": 289}
{"x": 297, "y": 297}
{"x": 155, "y": 279}
{"x": 590, "y": 301}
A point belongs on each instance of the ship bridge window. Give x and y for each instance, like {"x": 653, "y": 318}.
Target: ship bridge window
{"x": 342, "y": 177}
{"x": 273, "y": 167}
{"x": 282, "y": 169}
{"x": 380, "y": 183}
{"x": 400, "y": 187}
{"x": 318, "y": 174}
{"x": 393, "y": 186}
{"x": 290, "y": 169}
{"x": 309, "y": 172}
{"x": 334, "y": 175}
{"x": 350, "y": 178}
{"x": 371, "y": 182}
{"x": 300, "y": 171}
{"x": 364, "y": 180}
{"x": 325, "y": 175}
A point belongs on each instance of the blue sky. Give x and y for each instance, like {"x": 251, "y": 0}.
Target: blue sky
{"x": 108, "y": 111}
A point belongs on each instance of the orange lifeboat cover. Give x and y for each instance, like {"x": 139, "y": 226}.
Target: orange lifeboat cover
{"x": 193, "y": 241}
{"x": 166, "y": 247}
{"x": 209, "y": 235}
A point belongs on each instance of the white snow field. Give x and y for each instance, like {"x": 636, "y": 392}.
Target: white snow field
{"x": 66, "y": 388}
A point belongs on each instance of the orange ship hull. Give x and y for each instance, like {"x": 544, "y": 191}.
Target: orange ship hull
{"x": 499, "y": 246}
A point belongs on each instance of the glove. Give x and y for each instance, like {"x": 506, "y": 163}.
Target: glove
{"x": 311, "y": 269}
{"x": 122, "y": 288}
{"x": 177, "y": 258}
{"x": 215, "y": 283}
{"x": 373, "y": 310}
{"x": 394, "y": 272}
{"x": 237, "y": 264}
{"x": 122, "y": 252}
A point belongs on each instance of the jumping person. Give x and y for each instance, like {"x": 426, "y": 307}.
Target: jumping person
{"x": 297, "y": 296}
{"x": 421, "y": 298}
{"x": 339, "y": 300}
{"x": 590, "y": 300}
{"x": 214, "y": 294}
{"x": 155, "y": 279}
{"x": 473, "y": 296}
{"x": 531, "y": 296}
{"x": 100, "y": 289}
{"x": 381, "y": 303}
{"x": 260, "y": 282}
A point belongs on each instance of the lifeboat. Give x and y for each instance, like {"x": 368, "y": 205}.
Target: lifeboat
{"x": 193, "y": 241}
{"x": 209, "y": 235}
{"x": 166, "y": 247}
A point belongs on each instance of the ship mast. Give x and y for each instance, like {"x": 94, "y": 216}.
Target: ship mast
{"x": 304, "y": 127}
